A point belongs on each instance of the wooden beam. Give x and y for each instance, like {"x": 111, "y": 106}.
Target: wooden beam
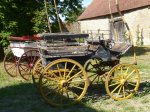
{"x": 48, "y": 22}
{"x": 59, "y": 22}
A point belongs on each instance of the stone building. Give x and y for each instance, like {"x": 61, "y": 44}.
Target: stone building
{"x": 136, "y": 12}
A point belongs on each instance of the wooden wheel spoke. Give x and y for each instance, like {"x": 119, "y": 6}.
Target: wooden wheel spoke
{"x": 22, "y": 64}
{"x": 113, "y": 84}
{"x": 115, "y": 78}
{"x": 52, "y": 73}
{"x": 76, "y": 87}
{"x": 127, "y": 70}
{"x": 26, "y": 74}
{"x": 97, "y": 68}
{"x": 130, "y": 74}
{"x": 74, "y": 75}
{"x": 13, "y": 71}
{"x": 92, "y": 75}
{"x": 65, "y": 70}
{"x": 115, "y": 89}
{"x": 70, "y": 71}
{"x": 91, "y": 64}
{"x": 94, "y": 79}
{"x": 52, "y": 90}
{"x": 59, "y": 71}
{"x": 119, "y": 91}
{"x": 23, "y": 69}
{"x": 131, "y": 84}
{"x": 53, "y": 79}
{"x": 76, "y": 81}
{"x": 124, "y": 94}
{"x": 133, "y": 78}
{"x": 34, "y": 59}
{"x": 11, "y": 67}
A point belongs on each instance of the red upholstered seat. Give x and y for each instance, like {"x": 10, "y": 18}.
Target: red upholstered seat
{"x": 25, "y": 38}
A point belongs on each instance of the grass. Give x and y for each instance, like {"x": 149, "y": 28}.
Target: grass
{"x": 17, "y": 95}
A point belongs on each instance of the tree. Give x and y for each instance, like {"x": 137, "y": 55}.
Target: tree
{"x": 70, "y": 9}
{"x": 15, "y": 17}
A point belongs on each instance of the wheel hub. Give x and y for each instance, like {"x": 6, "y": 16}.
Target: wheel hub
{"x": 122, "y": 81}
{"x": 63, "y": 83}
{"x": 31, "y": 64}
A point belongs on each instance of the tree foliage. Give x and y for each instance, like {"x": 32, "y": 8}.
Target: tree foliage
{"x": 25, "y": 17}
{"x": 15, "y": 17}
{"x": 69, "y": 9}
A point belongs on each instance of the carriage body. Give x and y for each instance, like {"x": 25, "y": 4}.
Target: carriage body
{"x": 22, "y": 56}
{"x": 69, "y": 63}
{"x": 78, "y": 47}
{"x": 20, "y": 45}
{"x": 55, "y": 46}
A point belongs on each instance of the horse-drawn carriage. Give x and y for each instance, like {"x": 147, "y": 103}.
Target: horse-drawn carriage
{"x": 69, "y": 63}
{"x": 21, "y": 57}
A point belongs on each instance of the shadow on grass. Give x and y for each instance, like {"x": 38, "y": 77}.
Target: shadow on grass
{"x": 25, "y": 98}
{"x": 139, "y": 51}
{"x": 96, "y": 92}
{"x": 144, "y": 89}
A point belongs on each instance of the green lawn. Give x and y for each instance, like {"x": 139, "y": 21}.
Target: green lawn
{"x": 17, "y": 95}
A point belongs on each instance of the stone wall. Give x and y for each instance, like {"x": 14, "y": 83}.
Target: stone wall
{"x": 94, "y": 26}
{"x": 137, "y": 18}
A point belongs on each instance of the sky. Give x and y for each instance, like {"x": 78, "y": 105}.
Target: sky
{"x": 86, "y": 2}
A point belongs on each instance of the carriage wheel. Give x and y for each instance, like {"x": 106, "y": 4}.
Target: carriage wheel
{"x": 95, "y": 69}
{"x": 64, "y": 82}
{"x": 37, "y": 71}
{"x": 26, "y": 63}
{"x": 122, "y": 81}
{"x": 10, "y": 64}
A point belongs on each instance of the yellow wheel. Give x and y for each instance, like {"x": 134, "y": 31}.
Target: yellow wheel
{"x": 122, "y": 81}
{"x": 64, "y": 82}
{"x": 95, "y": 69}
{"x": 37, "y": 71}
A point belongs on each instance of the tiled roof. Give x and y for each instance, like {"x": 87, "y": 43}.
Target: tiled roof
{"x": 101, "y": 7}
